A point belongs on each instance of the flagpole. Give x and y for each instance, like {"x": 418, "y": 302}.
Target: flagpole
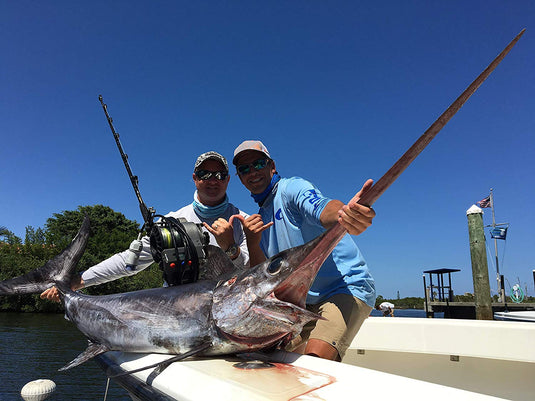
{"x": 498, "y": 278}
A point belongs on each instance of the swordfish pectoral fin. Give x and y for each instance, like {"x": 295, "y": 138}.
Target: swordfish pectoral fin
{"x": 161, "y": 366}
{"x": 91, "y": 351}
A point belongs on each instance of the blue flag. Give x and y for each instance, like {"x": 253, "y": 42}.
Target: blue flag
{"x": 498, "y": 233}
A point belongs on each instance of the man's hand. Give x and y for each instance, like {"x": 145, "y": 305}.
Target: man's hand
{"x": 223, "y": 232}
{"x": 252, "y": 227}
{"x": 356, "y": 218}
{"x": 52, "y": 294}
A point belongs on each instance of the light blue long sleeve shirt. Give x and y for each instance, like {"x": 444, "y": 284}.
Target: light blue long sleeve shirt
{"x": 295, "y": 207}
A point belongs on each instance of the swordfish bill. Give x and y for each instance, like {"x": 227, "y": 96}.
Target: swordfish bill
{"x": 404, "y": 161}
{"x": 372, "y": 194}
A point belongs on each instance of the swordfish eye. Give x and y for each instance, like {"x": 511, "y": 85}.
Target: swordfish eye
{"x": 275, "y": 266}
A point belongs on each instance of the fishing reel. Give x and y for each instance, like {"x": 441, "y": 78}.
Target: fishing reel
{"x": 178, "y": 247}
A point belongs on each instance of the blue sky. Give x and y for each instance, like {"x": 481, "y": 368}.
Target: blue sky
{"x": 336, "y": 90}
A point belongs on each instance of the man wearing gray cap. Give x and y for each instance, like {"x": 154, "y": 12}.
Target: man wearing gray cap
{"x": 297, "y": 212}
{"x": 210, "y": 207}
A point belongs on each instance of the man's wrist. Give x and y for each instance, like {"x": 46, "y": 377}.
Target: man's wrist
{"x": 233, "y": 251}
{"x": 77, "y": 282}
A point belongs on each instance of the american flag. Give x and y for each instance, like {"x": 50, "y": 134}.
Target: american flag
{"x": 484, "y": 202}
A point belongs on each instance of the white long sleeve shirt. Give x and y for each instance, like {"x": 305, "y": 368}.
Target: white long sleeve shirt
{"x": 115, "y": 266}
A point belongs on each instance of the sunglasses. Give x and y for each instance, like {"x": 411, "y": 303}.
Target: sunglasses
{"x": 257, "y": 165}
{"x": 206, "y": 175}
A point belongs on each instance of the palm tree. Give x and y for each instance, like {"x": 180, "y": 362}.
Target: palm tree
{"x": 4, "y": 232}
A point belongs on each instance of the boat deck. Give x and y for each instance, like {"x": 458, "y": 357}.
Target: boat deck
{"x": 390, "y": 358}
{"x": 292, "y": 377}
{"x": 482, "y": 356}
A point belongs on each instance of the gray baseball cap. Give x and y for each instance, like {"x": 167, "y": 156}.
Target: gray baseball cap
{"x": 250, "y": 145}
{"x": 210, "y": 156}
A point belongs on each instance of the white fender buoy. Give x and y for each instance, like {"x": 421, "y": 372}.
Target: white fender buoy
{"x": 37, "y": 390}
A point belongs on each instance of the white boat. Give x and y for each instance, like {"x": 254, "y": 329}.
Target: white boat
{"x": 517, "y": 316}
{"x": 390, "y": 358}
{"x": 482, "y": 356}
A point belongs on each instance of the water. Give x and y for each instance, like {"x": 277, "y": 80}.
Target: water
{"x": 35, "y": 346}
{"x": 407, "y": 313}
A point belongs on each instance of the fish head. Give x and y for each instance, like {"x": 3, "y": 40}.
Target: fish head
{"x": 265, "y": 305}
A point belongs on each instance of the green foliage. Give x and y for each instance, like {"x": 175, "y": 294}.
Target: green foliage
{"x": 151, "y": 277}
{"x": 16, "y": 260}
{"x": 7, "y": 237}
{"x": 111, "y": 232}
{"x": 34, "y": 237}
{"x": 409, "y": 303}
{"x": 466, "y": 298}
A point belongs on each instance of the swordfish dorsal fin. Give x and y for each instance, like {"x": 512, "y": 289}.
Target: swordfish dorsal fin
{"x": 217, "y": 265}
{"x": 91, "y": 351}
{"x": 59, "y": 269}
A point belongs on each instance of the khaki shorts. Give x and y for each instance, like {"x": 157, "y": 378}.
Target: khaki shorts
{"x": 344, "y": 313}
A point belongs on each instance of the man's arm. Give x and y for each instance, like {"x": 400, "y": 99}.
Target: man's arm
{"x": 108, "y": 270}
{"x": 355, "y": 218}
{"x": 226, "y": 234}
{"x": 253, "y": 227}
{"x": 242, "y": 261}
{"x": 114, "y": 267}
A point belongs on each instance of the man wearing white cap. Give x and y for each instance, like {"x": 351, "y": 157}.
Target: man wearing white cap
{"x": 387, "y": 308}
{"x": 210, "y": 207}
{"x": 295, "y": 212}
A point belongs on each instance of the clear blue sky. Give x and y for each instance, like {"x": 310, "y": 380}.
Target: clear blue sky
{"x": 336, "y": 90}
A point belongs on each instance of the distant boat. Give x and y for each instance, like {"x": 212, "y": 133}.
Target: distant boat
{"x": 520, "y": 316}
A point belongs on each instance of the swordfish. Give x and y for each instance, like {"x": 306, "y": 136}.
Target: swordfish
{"x": 230, "y": 311}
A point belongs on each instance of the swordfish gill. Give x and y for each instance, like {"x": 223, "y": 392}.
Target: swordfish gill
{"x": 230, "y": 311}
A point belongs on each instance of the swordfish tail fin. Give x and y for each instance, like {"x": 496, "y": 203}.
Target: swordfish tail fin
{"x": 58, "y": 270}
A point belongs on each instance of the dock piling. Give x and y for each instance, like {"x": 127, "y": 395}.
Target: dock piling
{"x": 480, "y": 271}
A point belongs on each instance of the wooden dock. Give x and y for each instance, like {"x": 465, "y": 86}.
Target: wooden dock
{"x": 467, "y": 310}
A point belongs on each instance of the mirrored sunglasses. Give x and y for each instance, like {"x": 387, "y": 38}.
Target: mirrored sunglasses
{"x": 206, "y": 175}
{"x": 258, "y": 164}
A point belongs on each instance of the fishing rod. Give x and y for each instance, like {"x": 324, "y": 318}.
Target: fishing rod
{"x": 177, "y": 245}
{"x": 147, "y": 213}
